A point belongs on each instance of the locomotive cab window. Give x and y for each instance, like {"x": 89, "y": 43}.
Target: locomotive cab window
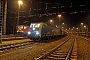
{"x": 20, "y": 26}
{"x": 34, "y": 25}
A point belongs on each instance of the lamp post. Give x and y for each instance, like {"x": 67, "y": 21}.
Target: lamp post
{"x": 77, "y": 31}
{"x": 63, "y": 26}
{"x": 51, "y": 21}
{"x": 63, "y": 23}
{"x": 59, "y": 20}
{"x": 82, "y": 27}
{"x": 85, "y": 28}
{"x": 19, "y": 2}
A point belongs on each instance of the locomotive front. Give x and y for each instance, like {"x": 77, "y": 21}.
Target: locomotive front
{"x": 34, "y": 31}
{"x": 22, "y": 29}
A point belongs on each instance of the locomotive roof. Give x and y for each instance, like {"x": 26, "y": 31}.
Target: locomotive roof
{"x": 42, "y": 23}
{"x": 39, "y": 23}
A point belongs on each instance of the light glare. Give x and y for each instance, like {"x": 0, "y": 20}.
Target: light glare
{"x": 20, "y": 2}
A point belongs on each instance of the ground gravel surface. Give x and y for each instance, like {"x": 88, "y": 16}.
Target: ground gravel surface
{"x": 30, "y": 53}
{"x": 83, "y": 49}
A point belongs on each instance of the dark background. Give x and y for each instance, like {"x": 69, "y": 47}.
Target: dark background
{"x": 73, "y": 12}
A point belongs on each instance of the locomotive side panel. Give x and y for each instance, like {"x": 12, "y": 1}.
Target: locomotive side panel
{"x": 48, "y": 30}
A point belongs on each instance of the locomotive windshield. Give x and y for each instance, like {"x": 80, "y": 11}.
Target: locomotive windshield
{"x": 34, "y": 28}
{"x": 34, "y": 25}
{"x": 20, "y": 26}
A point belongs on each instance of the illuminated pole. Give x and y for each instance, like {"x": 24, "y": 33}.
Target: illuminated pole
{"x": 85, "y": 29}
{"x": 63, "y": 25}
{"x": 51, "y": 21}
{"x": 82, "y": 27}
{"x": 19, "y": 2}
{"x": 76, "y": 31}
{"x": 59, "y": 23}
{"x": 59, "y": 20}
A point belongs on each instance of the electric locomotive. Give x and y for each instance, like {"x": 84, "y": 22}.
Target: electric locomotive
{"x": 38, "y": 31}
{"x": 22, "y": 29}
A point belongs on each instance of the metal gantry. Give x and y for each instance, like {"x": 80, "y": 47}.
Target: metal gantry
{"x": 1, "y": 19}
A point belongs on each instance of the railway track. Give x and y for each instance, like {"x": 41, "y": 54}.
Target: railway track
{"x": 14, "y": 45}
{"x": 65, "y": 51}
{"x": 86, "y": 38}
{"x": 4, "y": 47}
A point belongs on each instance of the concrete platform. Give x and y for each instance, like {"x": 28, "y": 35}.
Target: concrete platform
{"x": 7, "y": 40}
{"x": 13, "y": 42}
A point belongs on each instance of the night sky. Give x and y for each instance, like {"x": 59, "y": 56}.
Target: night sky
{"x": 73, "y": 12}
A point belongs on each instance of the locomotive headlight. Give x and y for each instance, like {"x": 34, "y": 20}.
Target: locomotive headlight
{"x": 37, "y": 33}
{"x": 24, "y": 27}
{"x": 29, "y": 32}
{"x": 33, "y": 28}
